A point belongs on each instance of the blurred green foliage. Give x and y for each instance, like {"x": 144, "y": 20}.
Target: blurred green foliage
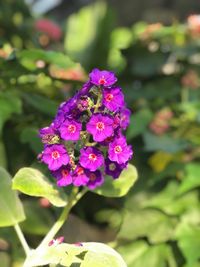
{"x": 158, "y": 223}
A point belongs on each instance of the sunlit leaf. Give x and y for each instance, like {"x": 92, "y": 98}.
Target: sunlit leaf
{"x": 191, "y": 180}
{"x": 64, "y": 254}
{"x": 84, "y": 255}
{"x": 168, "y": 201}
{"x": 188, "y": 237}
{"x": 101, "y": 255}
{"x": 140, "y": 254}
{"x": 150, "y": 223}
{"x": 32, "y": 182}
{"x": 120, "y": 186}
{"x": 87, "y": 32}
{"x": 28, "y": 58}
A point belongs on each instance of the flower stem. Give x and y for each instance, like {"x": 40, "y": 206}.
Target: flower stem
{"x": 90, "y": 144}
{"x": 73, "y": 199}
{"x": 22, "y": 239}
{"x": 98, "y": 103}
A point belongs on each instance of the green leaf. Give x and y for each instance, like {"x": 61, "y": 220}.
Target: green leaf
{"x": 192, "y": 215}
{"x": 79, "y": 32}
{"x": 33, "y": 183}
{"x": 191, "y": 180}
{"x": 86, "y": 255}
{"x": 30, "y": 135}
{"x": 10, "y": 103}
{"x": 164, "y": 143}
{"x": 28, "y": 58}
{"x": 41, "y": 103}
{"x": 82, "y": 41}
{"x": 120, "y": 186}
{"x": 188, "y": 237}
{"x": 168, "y": 201}
{"x": 64, "y": 254}
{"x": 101, "y": 255}
{"x": 4, "y": 259}
{"x": 196, "y": 264}
{"x": 3, "y": 159}
{"x": 140, "y": 254}
{"x": 150, "y": 223}
{"x": 132, "y": 251}
{"x": 120, "y": 38}
{"x": 139, "y": 123}
{"x": 11, "y": 209}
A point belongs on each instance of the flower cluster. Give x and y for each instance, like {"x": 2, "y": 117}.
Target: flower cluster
{"x": 85, "y": 142}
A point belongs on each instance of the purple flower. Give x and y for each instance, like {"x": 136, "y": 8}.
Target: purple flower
{"x": 119, "y": 151}
{"x": 95, "y": 115}
{"x": 95, "y": 179}
{"x": 113, "y": 168}
{"x": 67, "y": 109}
{"x": 69, "y": 105}
{"x": 91, "y": 158}
{"x": 113, "y": 98}
{"x": 59, "y": 119}
{"x": 63, "y": 176}
{"x": 102, "y": 78}
{"x": 83, "y": 103}
{"x": 70, "y": 130}
{"x": 48, "y": 135}
{"x": 46, "y": 130}
{"x": 85, "y": 89}
{"x": 55, "y": 156}
{"x": 80, "y": 178}
{"x": 100, "y": 126}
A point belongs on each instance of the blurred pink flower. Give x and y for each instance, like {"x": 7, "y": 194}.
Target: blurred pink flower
{"x": 193, "y": 22}
{"x": 50, "y": 28}
{"x": 160, "y": 123}
{"x": 191, "y": 80}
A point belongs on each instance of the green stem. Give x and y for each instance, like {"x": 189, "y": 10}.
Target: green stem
{"x": 22, "y": 239}
{"x": 89, "y": 112}
{"x": 98, "y": 103}
{"x": 90, "y": 144}
{"x": 73, "y": 199}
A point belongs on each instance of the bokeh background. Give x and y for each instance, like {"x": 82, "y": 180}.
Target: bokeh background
{"x": 47, "y": 49}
